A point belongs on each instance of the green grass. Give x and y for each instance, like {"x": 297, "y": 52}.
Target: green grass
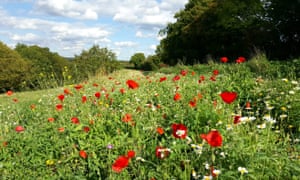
{"x": 267, "y": 150}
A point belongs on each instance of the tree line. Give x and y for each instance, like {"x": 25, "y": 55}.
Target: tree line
{"x": 33, "y": 67}
{"x": 232, "y": 28}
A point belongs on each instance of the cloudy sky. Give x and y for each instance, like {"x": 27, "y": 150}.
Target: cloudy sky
{"x": 70, "y": 26}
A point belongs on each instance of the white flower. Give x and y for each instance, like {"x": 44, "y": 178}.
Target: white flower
{"x": 242, "y": 170}
{"x": 291, "y": 92}
{"x": 285, "y": 80}
{"x": 247, "y": 119}
{"x": 294, "y": 82}
{"x": 217, "y": 172}
{"x": 261, "y": 126}
{"x": 207, "y": 177}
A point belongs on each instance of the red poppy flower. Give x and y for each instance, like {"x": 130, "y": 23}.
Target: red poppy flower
{"x": 202, "y": 78}
{"x": 95, "y": 85}
{"x": 78, "y": 86}
{"x": 193, "y": 102}
{"x": 228, "y": 97}
{"x": 130, "y": 154}
{"x": 183, "y": 72}
{"x": 177, "y": 97}
{"x": 59, "y": 107}
{"x": 15, "y": 100}
{"x": 98, "y": 95}
{"x": 9, "y": 93}
{"x": 213, "y": 78}
{"x": 224, "y": 59}
{"x": 32, "y": 106}
{"x": 61, "y": 97}
{"x": 61, "y": 129}
{"x": 83, "y": 99}
{"x": 213, "y": 138}
{"x": 240, "y": 60}
{"x": 121, "y": 163}
{"x": 162, "y": 79}
{"x": 83, "y": 154}
{"x": 237, "y": 119}
{"x": 132, "y": 84}
{"x": 193, "y": 73}
{"x": 160, "y": 130}
{"x": 19, "y": 129}
{"x": 176, "y": 78}
{"x": 127, "y": 118}
{"x": 67, "y": 91}
{"x": 86, "y": 129}
{"x": 75, "y": 120}
{"x": 215, "y": 72}
{"x": 179, "y": 131}
{"x": 51, "y": 119}
{"x": 162, "y": 152}
{"x": 122, "y": 90}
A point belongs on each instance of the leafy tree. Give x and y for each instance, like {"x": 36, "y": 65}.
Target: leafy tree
{"x": 95, "y": 60}
{"x": 232, "y": 28}
{"x": 137, "y": 60}
{"x": 14, "y": 69}
{"x": 45, "y": 65}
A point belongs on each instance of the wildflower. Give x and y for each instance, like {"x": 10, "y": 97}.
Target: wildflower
{"x": 19, "y": 129}
{"x": 132, "y": 84}
{"x": 242, "y": 170}
{"x": 183, "y": 72}
{"x": 261, "y": 126}
{"x": 285, "y": 80}
{"x": 207, "y": 177}
{"x": 224, "y": 59}
{"x": 247, "y": 119}
{"x": 193, "y": 103}
{"x": 97, "y": 95}
{"x": 229, "y": 127}
{"x": 240, "y": 60}
{"x": 121, "y": 163}
{"x": 213, "y": 138}
{"x": 130, "y": 154}
{"x": 61, "y": 97}
{"x": 197, "y": 148}
{"x": 59, "y": 107}
{"x": 83, "y": 99}
{"x": 176, "y": 78}
{"x": 237, "y": 119}
{"x": 177, "y": 96}
{"x": 179, "y": 131}
{"x": 9, "y": 93}
{"x": 67, "y": 91}
{"x": 50, "y": 162}
{"x": 32, "y": 106}
{"x": 291, "y": 92}
{"x": 51, "y": 119}
{"x": 75, "y": 120}
{"x": 215, "y": 172}
{"x": 86, "y": 129}
{"x": 215, "y": 72}
{"x": 61, "y": 129}
{"x": 127, "y": 118}
{"x": 140, "y": 159}
{"x": 248, "y": 105}
{"x": 78, "y": 87}
{"x": 228, "y": 97}
{"x": 160, "y": 130}
{"x": 83, "y": 154}
{"x": 213, "y": 78}
{"x": 109, "y": 146}
{"x": 122, "y": 90}
{"x": 162, "y": 152}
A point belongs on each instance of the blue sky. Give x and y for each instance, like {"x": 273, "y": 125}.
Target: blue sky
{"x": 70, "y": 26}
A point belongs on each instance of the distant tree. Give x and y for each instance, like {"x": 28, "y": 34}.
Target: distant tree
{"x": 137, "y": 60}
{"x": 14, "y": 69}
{"x": 95, "y": 60}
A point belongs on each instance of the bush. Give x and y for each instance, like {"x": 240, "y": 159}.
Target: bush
{"x": 14, "y": 69}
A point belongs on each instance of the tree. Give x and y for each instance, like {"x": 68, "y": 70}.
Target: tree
{"x": 13, "y": 69}
{"x": 231, "y": 28}
{"x": 95, "y": 60}
{"x": 137, "y": 60}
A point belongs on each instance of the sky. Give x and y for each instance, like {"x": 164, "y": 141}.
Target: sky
{"x": 70, "y": 26}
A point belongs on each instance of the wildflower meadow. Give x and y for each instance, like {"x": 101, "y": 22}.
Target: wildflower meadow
{"x": 214, "y": 121}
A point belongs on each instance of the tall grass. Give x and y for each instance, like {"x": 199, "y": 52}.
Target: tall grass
{"x": 84, "y": 139}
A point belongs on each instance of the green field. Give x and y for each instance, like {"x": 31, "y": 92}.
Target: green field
{"x": 215, "y": 121}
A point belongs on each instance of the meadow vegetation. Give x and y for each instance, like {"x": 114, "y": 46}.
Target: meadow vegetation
{"x": 213, "y": 121}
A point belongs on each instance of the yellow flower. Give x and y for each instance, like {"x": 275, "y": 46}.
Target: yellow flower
{"x": 283, "y": 108}
{"x": 50, "y": 162}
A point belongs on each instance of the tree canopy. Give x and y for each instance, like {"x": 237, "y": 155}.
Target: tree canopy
{"x": 231, "y": 28}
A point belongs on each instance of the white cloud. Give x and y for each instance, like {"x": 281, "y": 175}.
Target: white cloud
{"x": 125, "y": 44}
{"x": 29, "y": 38}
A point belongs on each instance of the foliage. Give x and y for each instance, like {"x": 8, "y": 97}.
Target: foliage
{"x": 45, "y": 67}
{"x": 215, "y": 28}
{"x": 106, "y": 129}
{"x": 14, "y": 69}
{"x": 137, "y": 60}
{"x": 151, "y": 63}
{"x": 96, "y": 60}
